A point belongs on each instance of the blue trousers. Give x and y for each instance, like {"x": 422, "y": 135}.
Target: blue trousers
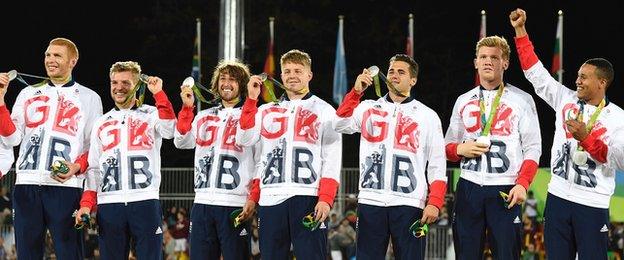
{"x": 376, "y": 225}
{"x": 571, "y": 227}
{"x": 37, "y": 208}
{"x": 118, "y": 222}
{"x": 280, "y": 225}
{"x": 480, "y": 208}
{"x": 213, "y": 234}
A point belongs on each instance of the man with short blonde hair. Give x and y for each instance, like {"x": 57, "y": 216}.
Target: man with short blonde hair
{"x": 299, "y": 166}
{"x": 124, "y": 174}
{"x": 494, "y": 134}
{"x": 51, "y": 122}
{"x": 297, "y": 57}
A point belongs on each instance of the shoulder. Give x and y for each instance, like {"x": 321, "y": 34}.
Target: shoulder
{"x": 108, "y": 115}
{"x": 425, "y": 110}
{"x": 615, "y": 111}
{"x": 146, "y": 109}
{"x": 322, "y": 104}
{"x": 86, "y": 91}
{"x": 518, "y": 93}
{"x": 471, "y": 94}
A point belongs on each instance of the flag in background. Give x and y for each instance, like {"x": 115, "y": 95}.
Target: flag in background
{"x": 340, "y": 66}
{"x": 196, "y": 70}
{"x": 409, "y": 46}
{"x": 269, "y": 67}
{"x": 482, "y": 34}
{"x": 557, "y": 62}
{"x": 196, "y": 53}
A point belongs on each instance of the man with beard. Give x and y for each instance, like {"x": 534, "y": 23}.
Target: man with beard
{"x": 123, "y": 178}
{"x": 52, "y": 121}
{"x": 300, "y": 159}
{"x": 223, "y": 169}
{"x": 588, "y": 148}
{"x": 494, "y": 132}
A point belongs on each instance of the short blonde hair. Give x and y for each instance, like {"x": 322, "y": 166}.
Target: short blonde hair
{"x": 297, "y": 57}
{"x": 494, "y": 41}
{"x": 131, "y": 66}
{"x": 235, "y": 69}
{"x": 71, "y": 47}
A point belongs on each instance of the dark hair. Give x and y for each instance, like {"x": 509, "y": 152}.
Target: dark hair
{"x": 604, "y": 69}
{"x": 235, "y": 69}
{"x": 407, "y": 59}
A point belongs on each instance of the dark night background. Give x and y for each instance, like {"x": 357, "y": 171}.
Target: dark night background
{"x": 159, "y": 35}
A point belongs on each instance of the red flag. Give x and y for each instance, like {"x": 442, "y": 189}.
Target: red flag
{"x": 558, "y": 55}
{"x": 409, "y": 45}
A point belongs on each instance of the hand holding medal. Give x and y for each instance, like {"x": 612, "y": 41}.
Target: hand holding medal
{"x": 580, "y": 131}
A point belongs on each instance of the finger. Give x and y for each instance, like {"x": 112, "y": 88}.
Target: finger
{"x": 481, "y": 145}
{"x": 317, "y": 214}
{"x": 323, "y": 216}
{"x": 513, "y": 201}
{"x": 59, "y": 178}
{"x": 243, "y": 214}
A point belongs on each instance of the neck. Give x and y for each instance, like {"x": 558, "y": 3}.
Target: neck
{"x": 127, "y": 105}
{"x": 489, "y": 85}
{"x": 595, "y": 101}
{"x": 396, "y": 98}
{"x": 292, "y": 95}
{"x": 60, "y": 80}
{"x": 231, "y": 102}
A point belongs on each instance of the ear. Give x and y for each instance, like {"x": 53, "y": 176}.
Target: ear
{"x": 310, "y": 75}
{"x": 73, "y": 62}
{"x": 505, "y": 64}
{"x": 603, "y": 84}
{"x": 475, "y": 63}
{"x": 413, "y": 81}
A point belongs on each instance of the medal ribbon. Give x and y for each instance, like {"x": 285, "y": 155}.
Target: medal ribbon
{"x": 493, "y": 110}
{"x": 592, "y": 118}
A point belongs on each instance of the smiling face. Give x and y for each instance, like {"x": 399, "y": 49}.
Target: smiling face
{"x": 58, "y": 62}
{"x": 296, "y": 77}
{"x": 228, "y": 87}
{"x": 588, "y": 85}
{"x": 229, "y": 81}
{"x": 121, "y": 83}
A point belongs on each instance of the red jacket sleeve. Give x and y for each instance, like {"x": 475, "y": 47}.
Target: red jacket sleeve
{"x": 528, "y": 169}
{"x": 437, "y": 190}
{"x": 6, "y": 124}
{"x": 348, "y": 105}
{"x": 89, "y": 200}
{"x": 451, "y": 152}
{"x": 595, "y": 147}
{"x": 328, "y": 188}
{"x": 83, "y": 161}
{"x": 526, "y": 52}
{"x": 185, "y": 119}
{"x": 254, "y": 190}
{"x": 165, "y": 109}
{"x": 248, "y": 114}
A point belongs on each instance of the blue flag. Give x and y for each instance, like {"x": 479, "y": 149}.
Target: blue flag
{"x": 340, "y": 67}
{"x": 195, "y": 71}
